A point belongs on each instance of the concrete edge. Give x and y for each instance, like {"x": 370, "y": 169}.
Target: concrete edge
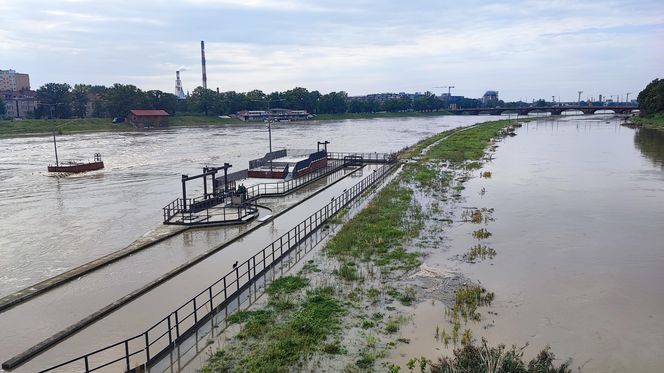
{"x": 43, "y": 286}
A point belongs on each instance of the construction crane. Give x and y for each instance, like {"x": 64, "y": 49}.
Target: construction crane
{"x": 449, "y": 89}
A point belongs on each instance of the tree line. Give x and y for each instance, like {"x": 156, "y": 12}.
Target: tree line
{"x": 651, "y": 99}
{"x": 60, "y": 100}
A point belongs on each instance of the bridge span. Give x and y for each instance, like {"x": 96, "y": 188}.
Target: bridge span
{"x": 554, "y": 110}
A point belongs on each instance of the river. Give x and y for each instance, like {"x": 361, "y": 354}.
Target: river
{"x": 579, "y": 211}
{"x": 51, "y": 224}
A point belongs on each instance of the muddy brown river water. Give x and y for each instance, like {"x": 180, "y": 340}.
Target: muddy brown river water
{"x": 579, "y": 212}
{"x": 50, "y": 224}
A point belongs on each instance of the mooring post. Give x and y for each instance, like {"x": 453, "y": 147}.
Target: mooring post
{"x": 226, "y": 167}
{"x": 184, "y": 192}
{"x": 205, "y": 183}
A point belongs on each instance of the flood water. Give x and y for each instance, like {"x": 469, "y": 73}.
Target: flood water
{"x": 579, "y": 212}
{"x": 50, "y": 224}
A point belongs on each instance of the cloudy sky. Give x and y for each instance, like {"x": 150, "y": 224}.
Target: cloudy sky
{"x": 526, "y": 49}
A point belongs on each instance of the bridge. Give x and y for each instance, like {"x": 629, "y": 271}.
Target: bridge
{"x": 554, "y": 110}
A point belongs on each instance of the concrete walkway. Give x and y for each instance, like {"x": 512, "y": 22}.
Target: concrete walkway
{"x": 126, "y": 281}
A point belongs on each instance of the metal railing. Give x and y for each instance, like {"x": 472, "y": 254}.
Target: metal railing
{"x": 189, "y": 213}
{"x": 283, "y": 187}
{"x": 145, "y": 348}
{"x": 366, "y": 157}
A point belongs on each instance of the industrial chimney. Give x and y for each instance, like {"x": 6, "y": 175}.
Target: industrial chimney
{"x": 203, "y": 64}
{"x": 178, "y": 86}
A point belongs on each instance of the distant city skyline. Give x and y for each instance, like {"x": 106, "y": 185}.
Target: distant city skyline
{"x": 526, "y": 50}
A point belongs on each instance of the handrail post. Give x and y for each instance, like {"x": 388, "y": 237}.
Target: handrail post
{"x": 195, "y": 314}
{"x": 170, "y": 336}
{"x": 127, "y": 354}
{"x": 147, "y": 348}
{"x": 210, "y": 292}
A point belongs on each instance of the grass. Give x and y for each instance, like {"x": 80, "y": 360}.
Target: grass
{"x": 286, "y": 285}
{"x": 484, "y": 358}
{"x": 374, "y": 235}
{"x": 277, "y": 341}
{"x": 13, "y": 128}
{"x": 467, "y": 300}
{"x": 479, "y": 251}
{"x": 467, "y": 145}
{"x": 655, "y": 121}
{"x": 481, "y": 234}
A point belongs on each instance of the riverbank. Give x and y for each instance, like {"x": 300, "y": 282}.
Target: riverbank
{"x": 38, "y": 127}
{"x": 406, "y": 114}
{"x": 345, "y": 310}
{"x": 654, "y": 121}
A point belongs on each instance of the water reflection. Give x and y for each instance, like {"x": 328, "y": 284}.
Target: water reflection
{"x": 651, "y": 144}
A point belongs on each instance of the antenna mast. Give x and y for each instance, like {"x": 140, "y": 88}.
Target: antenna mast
{"x": 203, "y": 64}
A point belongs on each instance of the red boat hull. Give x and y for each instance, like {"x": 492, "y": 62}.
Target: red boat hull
{"x": 76, "y": 168}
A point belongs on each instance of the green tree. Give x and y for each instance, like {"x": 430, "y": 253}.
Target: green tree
{"x": 120, "y": 98}
{"x": 79, "y": 97}
{"x": 358, "y": 106}
{"x": 54, "y": 100}
{"x": 203, "y": 100}
{"x": 651, "y": 99}
{"x": 333, "y": 103}
{"x": 257, "y": 100}
{"x": 159, "y": 100}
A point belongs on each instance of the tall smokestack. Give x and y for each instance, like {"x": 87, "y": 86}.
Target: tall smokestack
{"x": 178, "y": 86}
{"x": 203, "y": 64}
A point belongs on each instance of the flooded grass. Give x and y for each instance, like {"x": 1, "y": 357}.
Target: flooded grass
{"x": 286, "y": 285}
{"x": 481, "y": 234}
{"x": 479, "y": 251}
{"x": 466, "y": 302}
{"x": 473, "y": 357}
{"x": 277, "y": 341}
{"x": 373, "y": 235}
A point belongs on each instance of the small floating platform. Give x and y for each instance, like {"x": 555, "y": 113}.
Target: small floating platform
{"x": 77, "y": 167}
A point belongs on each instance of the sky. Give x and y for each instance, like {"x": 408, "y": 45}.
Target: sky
{"x": 525, "y": 49}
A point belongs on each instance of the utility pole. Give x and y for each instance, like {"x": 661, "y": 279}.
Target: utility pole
{"x": 579, "y": 92}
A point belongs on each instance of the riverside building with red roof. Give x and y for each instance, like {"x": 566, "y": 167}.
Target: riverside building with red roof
{"x": 148, "y": 118}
